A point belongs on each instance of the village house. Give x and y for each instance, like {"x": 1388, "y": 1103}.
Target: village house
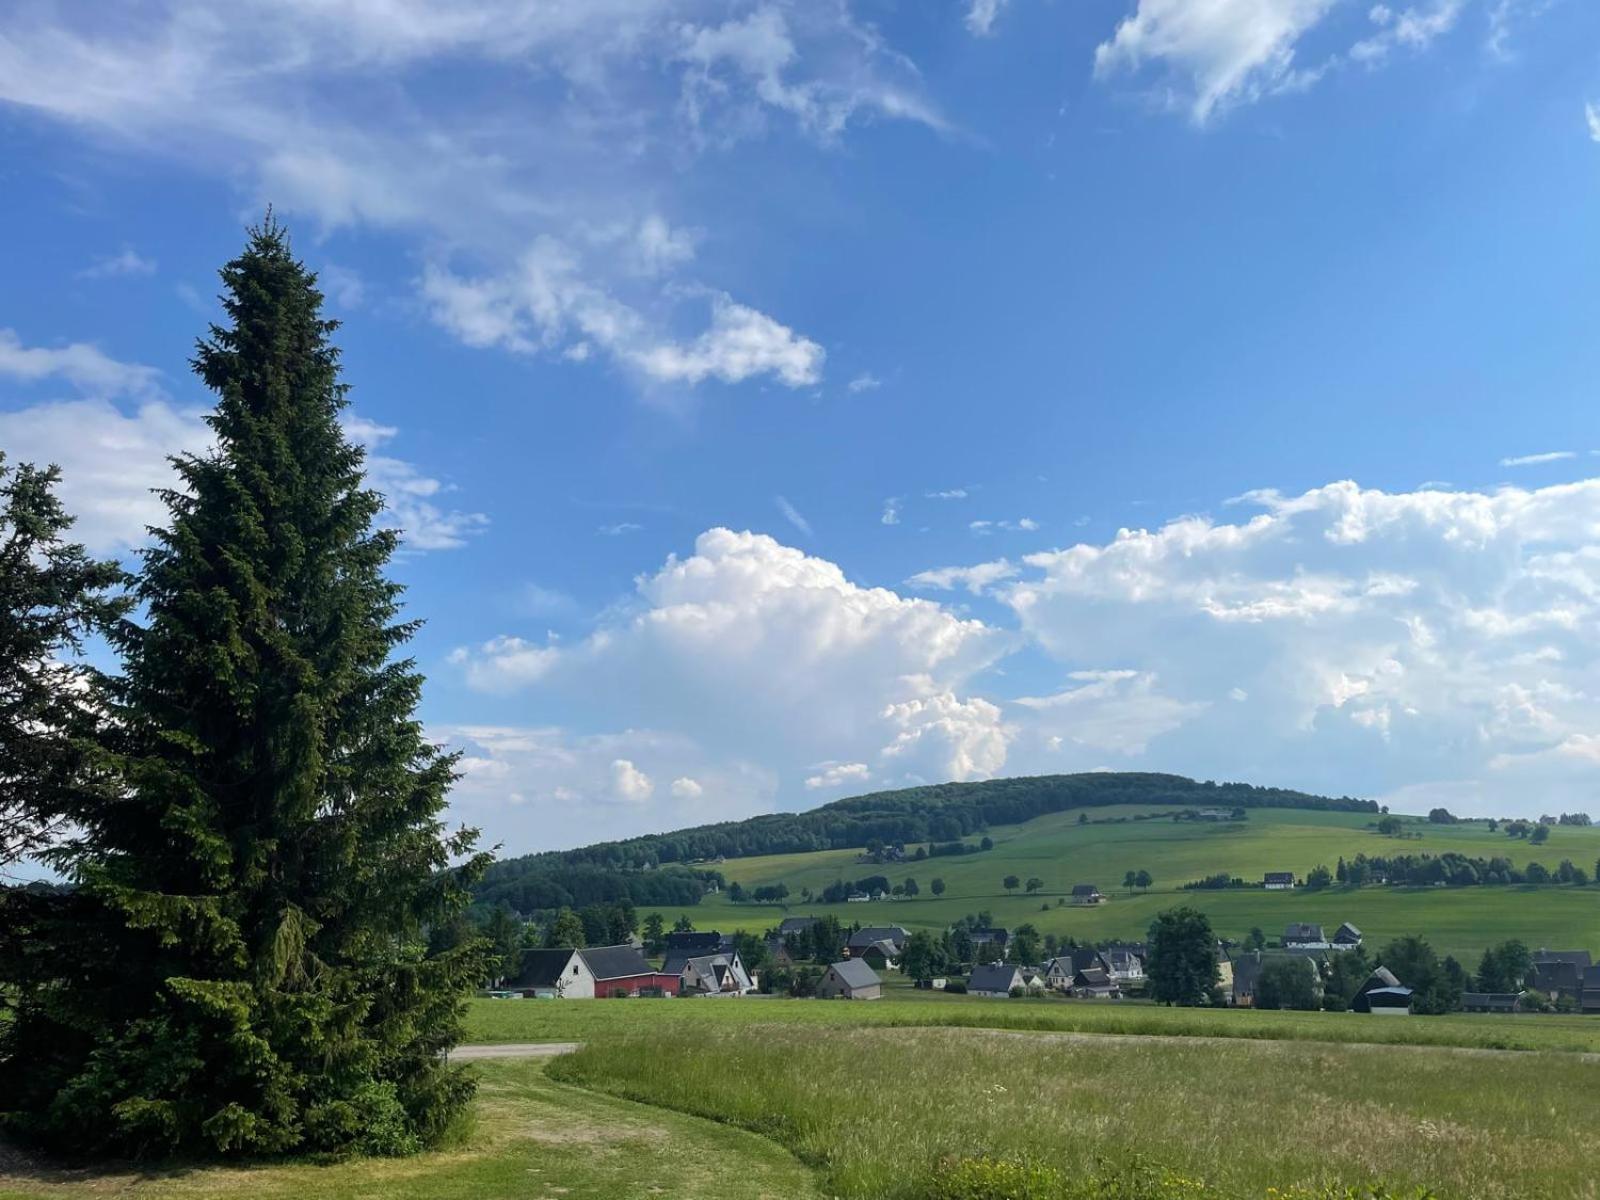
{"x": 1347, "y": 937}
{"x": 1382, "y": 995}
{"x": 1559, "y": 973}
{"x": 994, "y": 979}
{"x": 1094, "y": 983}
{"x": 595, "y": 972}
{"x": 1034, "y": 981}
{"x": 794, "y": 926}
{"x": 707, "y": 942}
{"x": 880, "y": 955}
{"x": 1278, "y": 881}
{"x": 1123, "y": 964}
{"x": 872, "y": 934}
{"x": 851, "y": 979}
{"x": 1058, "y": 972}
{"x": 1298, "y": 936}
{"x": 719, "y": 974}
{"x": 1495, "y": 1002}
{"x": 1086, "y": 893}
{"x": 1589, "y": 1002}
{"x": 1246, "y": 971}
{"x": 778, "y": 952}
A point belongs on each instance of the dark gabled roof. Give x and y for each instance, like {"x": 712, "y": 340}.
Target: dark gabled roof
{"x": 1578, "y": 958}
{"x": 1388, "y": 993}
{"x": 993, "y": 977}
{"x": 541, "y": 968}
{"x": 883, "y": 946}
{"x": 1347, "y": 933}
{"x": 695, "y": 943}
{"x": 1550, "y": 975}
{"x": 795, "y": 925}
{"x": 1085, "y": 889}
{"x": 616, "y": 962}
{"x": 1381, "y": 978}
{"x": 856, "y": 973}
{"x": 1278, "y": 877}
{"x": 1591, "y": 977}
{"x": 1085, "y": 956}
{"x": 1091, "y": 977}
{"x": 1121, "y": 959}
{"x": 1246, "y": 970}
{"x": 990, "y": 933}
{"x": 1301, "y": 932}
{"x": 1507, "y": 1000}
{"x": 862, "y": 938}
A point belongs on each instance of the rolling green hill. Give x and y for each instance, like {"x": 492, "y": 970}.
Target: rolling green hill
{"x": 1062, "y": 852}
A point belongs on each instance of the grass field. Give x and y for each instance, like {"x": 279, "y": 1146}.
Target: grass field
{"x": 874, "y": 1109}
{"x": 604, "y": 1022}
{"x": 1056, "y": 849}
{"x": 532, "y": 1139}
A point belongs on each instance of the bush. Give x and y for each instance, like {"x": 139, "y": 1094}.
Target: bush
{"x": 956, "y": 987}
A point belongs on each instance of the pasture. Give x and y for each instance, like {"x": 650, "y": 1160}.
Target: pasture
{"x": 1061, "y": 852}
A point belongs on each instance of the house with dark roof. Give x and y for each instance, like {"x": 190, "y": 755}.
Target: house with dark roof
{"x": 1123, "y": 964}
{"x": 719, "y": 974}
{"x": 1246, "y": 971}
{"x": 880, "y": 955}
{"x": 994, "y": 979}
{"x": 870, "y": 934}
{"x": 1058, "y": 972}
{"x": 1300, "y": 936}
{"x": 1382, "y": 995}
{"x": 1086, "y": 893}
{"x": 778, "y": 952}
{"x": 1094, "y": 983}
{"x": 790, "y": 926}
{"x": 850, "y": 979}
{"x": 1278, "y": 881}
{"x": 1559, "y": 973}
{"x": 708, "y": 942}
{"x": 1346, "y": 937}
{"x": 597, "y": 971}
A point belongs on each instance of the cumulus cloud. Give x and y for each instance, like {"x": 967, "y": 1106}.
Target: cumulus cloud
{"x": 1411, "y": 28}
{"x": 1366, "y": 640}
{"x": 891, "y": 511}
{"x": 114, "y": 439}
{"x": 629, "y": 784}
{"x": 755, "y": 648}
{"x": 835, "y": 775}
{"x": 1591, "y": 117}
{"x": 685, "y": 788}
{"x": 976, "y": 579}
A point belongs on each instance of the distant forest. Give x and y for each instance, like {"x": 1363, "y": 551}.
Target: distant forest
{"x": 674, "y": 868}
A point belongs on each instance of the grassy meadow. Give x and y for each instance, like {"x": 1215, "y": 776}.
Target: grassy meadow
{"x": 575, "y": 1021}
{"x": 873, "y": 1110}
{"x": 1061, "y": 852}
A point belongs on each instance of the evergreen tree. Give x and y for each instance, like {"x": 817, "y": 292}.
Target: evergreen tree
{"x": 244, "y": 968}
{"x": 51, "y": 595}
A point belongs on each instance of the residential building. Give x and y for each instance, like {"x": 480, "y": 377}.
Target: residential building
{"x": 851, "y": 979}
{"x": 987, "y": 940}
{"x": 1559, "y": 972}
{"x": 1300, "y": 936}
{"x": 1086, "y": 893}
{"x": 1246, "y": 971}
{"x": 1589, "y": 1001}
{"x": 1483, "y": 1002}
{"x": 870, "y": 934}
{"x": 994, "y": 979}
{"x": 1382, "y": 995}
{"x": 1278, "y": 881}
{"x": 1094, "y": 983}
{"x": 880, "y": 955}
{"x": 793, "y": 926}
{"x": 1123, "y": 964}
{"x": 1346, "y": 937}
{"x": 1058, "y": 972}
{"x": 597, "y": 971}
{"x": 717, "y": 974}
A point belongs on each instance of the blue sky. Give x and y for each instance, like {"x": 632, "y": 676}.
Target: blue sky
{"x": 787, "y": 400}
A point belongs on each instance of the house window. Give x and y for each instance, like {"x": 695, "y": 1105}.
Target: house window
{"x": 574, "y": 970}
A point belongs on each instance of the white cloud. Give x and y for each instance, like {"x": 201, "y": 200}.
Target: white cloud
{"x": 1021, "y": 525}
{"x": 113, "y": 456}
{"x": 619, "y": 528}
{"x": 976, "y": 579}
{"x": 1116, "y": 710}
{"x": 685, "y": 788}
{"x": 833, "y": 775}
{"x": 793, "y": 515}
{"x": 981, "y": 16}
{"x": 629, "y": 784}
{"x": 568, "y": 135}
{"x": 1225, "y": 51}
{"x": 127, "y": 262}
{"x": 950, "y": 494}
{"x": 753, "y": 650}
{"x": 1533, "y": 460}
{"x": 1591, "y": 117}
{"x": 1370, "y": 640}
{"x": 891, "y": 511}
{"x": 865, "y": 382}
{"x": 1412, "y": 28}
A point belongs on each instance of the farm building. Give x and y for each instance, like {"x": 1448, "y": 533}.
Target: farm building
{"x": 1094, "y": 983}
{"x": 872, "y": 934}
{"x": 1299, "y": 936}
{"x": 987, "y": 939}
{"x": 1086, "y": 893}
{"x": 851, "y": 979}
{"x": 1498, "y": 1002}
{"x": 1278, "y": 881}
{"x": 599, "y": 971}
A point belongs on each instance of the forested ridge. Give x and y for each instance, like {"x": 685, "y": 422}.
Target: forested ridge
{"x": 655, "y": 869}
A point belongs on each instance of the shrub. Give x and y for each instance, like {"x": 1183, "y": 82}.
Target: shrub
{"x": 956, "y": 986}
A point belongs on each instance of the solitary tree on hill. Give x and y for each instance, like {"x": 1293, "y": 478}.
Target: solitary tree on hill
{"x": 1143, "y": 880}
{"x": 243, "y": 969}
{"x": 1034, "y": 884}
{"x": 1011, "y": 883}
{"x": 937, "y": 886}
{"x": 1130, "y": 880}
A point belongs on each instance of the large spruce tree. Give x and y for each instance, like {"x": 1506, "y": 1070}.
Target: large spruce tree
{"x": 243, "y": 969}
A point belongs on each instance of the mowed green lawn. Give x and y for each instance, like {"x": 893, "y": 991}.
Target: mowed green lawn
{"x": 1056, "y": 849}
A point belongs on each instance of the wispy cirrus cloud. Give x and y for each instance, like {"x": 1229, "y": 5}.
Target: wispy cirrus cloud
{"x": 1534, "y": 460}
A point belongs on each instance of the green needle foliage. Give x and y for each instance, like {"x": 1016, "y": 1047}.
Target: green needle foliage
{"x": 243, "y": 968}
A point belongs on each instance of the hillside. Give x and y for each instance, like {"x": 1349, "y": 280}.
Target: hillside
{"x": 934, "y": 814}
{"x": 1061, "y": 851}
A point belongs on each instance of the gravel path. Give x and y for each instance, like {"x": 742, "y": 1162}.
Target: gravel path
{"x": 514, "y": 1050}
